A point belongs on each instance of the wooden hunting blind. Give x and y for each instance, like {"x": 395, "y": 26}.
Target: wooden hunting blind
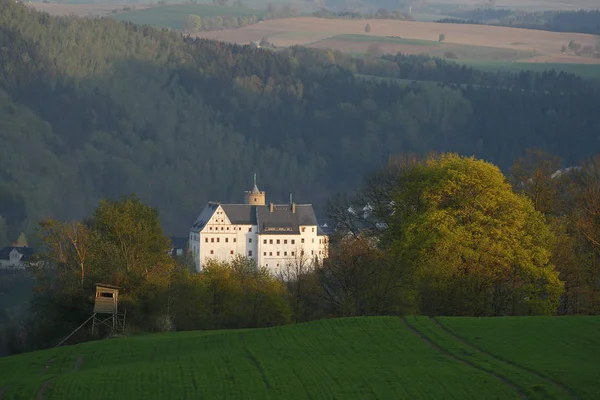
{"x": 107, "y": 298}
{"x": 105, "y": 302}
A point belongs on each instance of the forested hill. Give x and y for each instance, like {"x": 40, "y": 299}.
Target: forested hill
{"x": 99, "y": 108}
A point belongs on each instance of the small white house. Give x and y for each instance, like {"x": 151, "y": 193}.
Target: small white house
{"x": 15, "y": 257}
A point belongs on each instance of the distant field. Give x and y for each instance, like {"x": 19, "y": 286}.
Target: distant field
{"x": 348, "y": 358}
{"x": 82, "y": 10}
{"x": 357, "y": 44}
{"x": 174, "y": 15}
{"x": 584, "y": 70}
{"x": 476, "y": 42}
{"x": 533, "y": 5}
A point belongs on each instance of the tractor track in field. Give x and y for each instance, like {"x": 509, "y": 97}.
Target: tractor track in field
{"x": 43, "y": 388}
{"x": 505, "y": 381}
{"x": 78, "y": 362}
{"x": 255, "y": 362}
{"x": 465, "y": 342}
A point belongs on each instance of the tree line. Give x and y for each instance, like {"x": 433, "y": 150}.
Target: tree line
{"x": 435, "y": 234}
{"x": 98, "y": 108}
{"x": 580, "y": 21}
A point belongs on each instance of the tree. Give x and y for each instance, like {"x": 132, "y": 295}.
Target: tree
{"x": 374, "y": 50}
{"x": 193, "y": 23}
{"x": 442, "y": 37}
{"x": 131, "y": 241}
{"x": 21, "y": 240}
{"x": 3, "y": 232}
{"x": 476, "y": 247}
{"x": 537, "y": 176}
{"x": 68, "y": 247}
{"x": 368, "y": 28}
{"x": 303, "y": 290}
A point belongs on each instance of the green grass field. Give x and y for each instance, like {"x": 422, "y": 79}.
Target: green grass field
{"x": 384, "y": 39}
{"x": 174, "y": 15}
{"x": 591, "y": 71}
{"x": 361, "y": 358}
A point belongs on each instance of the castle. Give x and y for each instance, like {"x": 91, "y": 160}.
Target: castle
{"x": 273, "y": 235}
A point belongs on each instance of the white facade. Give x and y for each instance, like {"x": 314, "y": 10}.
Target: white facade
{"x": 272, "y": 235}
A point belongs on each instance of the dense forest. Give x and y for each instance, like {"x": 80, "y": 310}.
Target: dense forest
{"x": 94, "y": 108}
{"x": 580, "y": 21}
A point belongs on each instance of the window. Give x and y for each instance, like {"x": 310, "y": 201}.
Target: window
{"x": 292, "y": 254}
{"x": 301, "y": 240}
{"x": 313, "y": 240}
{"x": 264, "y": 241}
{"x": 234, "y": 240}
{"x": 249, "y": 253}
{"x": 265, "y": 253}
{"x": 226, "y": 240}
{"x": 210, "y": 228}
{"x": 285, "y": 253}
{"x": 249, "y": 240}
{"x": 218, "y": 240}
{"x": 278, "y": 264}
{"x": 302, "y": 253}
{"x": 212, "y": 240}
{"x": 313, "y": 229}
{"x": 249, "y": 229}
{"x": 285, "y": 241}
{"x": 270, "y": 241}
{"x": 230, "y": 251}
{"x": 278, "y": 241}
{"x": 270, "y": 253}
{"x": 303, "y": 229}
{"x": 277, "y": 253}
{"x": 205, "y": 240}
{"x": 212, "y": 252}
{"x": 293, "y": 241}
{"x": 312, "y": 252}
{"x": 227, "y": 228}
{"x": 221, "y": 228}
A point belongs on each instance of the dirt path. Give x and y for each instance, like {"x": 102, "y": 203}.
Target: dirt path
{"x": 525, "y": 370}
{"x": 464, "y": 362}
{"x": 78, "y": 362}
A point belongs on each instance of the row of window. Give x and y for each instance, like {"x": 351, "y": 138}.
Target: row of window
{"x": 212, "y": 240}
{"x": 285, "y": 253}
{"x": 231, "y": 252}
{"x": 277, "y": 241}
{"x": 210, "y": 228}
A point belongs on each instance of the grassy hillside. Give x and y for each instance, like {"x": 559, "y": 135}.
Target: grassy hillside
{"x": 174, "y": 15}
{"x": 378, "y": 357}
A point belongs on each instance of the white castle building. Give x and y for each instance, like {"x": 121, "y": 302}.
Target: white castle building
{"x": 273, "y": 235}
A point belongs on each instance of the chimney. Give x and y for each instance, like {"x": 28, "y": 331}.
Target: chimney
{"x": 293, "y": 208}
{"x": 271, "y": 207}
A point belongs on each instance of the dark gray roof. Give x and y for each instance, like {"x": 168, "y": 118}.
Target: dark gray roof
{"x": 240, "y": 214}
{"x": 279, "y": 221}
{"x": 25, "y": 251}
{"x": 205, "y": 216}
{"x": 179, "y": 242}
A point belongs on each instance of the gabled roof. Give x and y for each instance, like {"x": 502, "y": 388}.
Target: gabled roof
{"x": 205, "y": 216}
{"x": 282, "y": 219}
{"x": 26, "y": 252}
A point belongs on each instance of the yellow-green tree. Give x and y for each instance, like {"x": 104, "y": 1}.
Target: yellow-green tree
{"x": 474, "y": 246}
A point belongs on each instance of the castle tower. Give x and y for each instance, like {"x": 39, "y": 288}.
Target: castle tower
{"x": 255, "y": 197}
